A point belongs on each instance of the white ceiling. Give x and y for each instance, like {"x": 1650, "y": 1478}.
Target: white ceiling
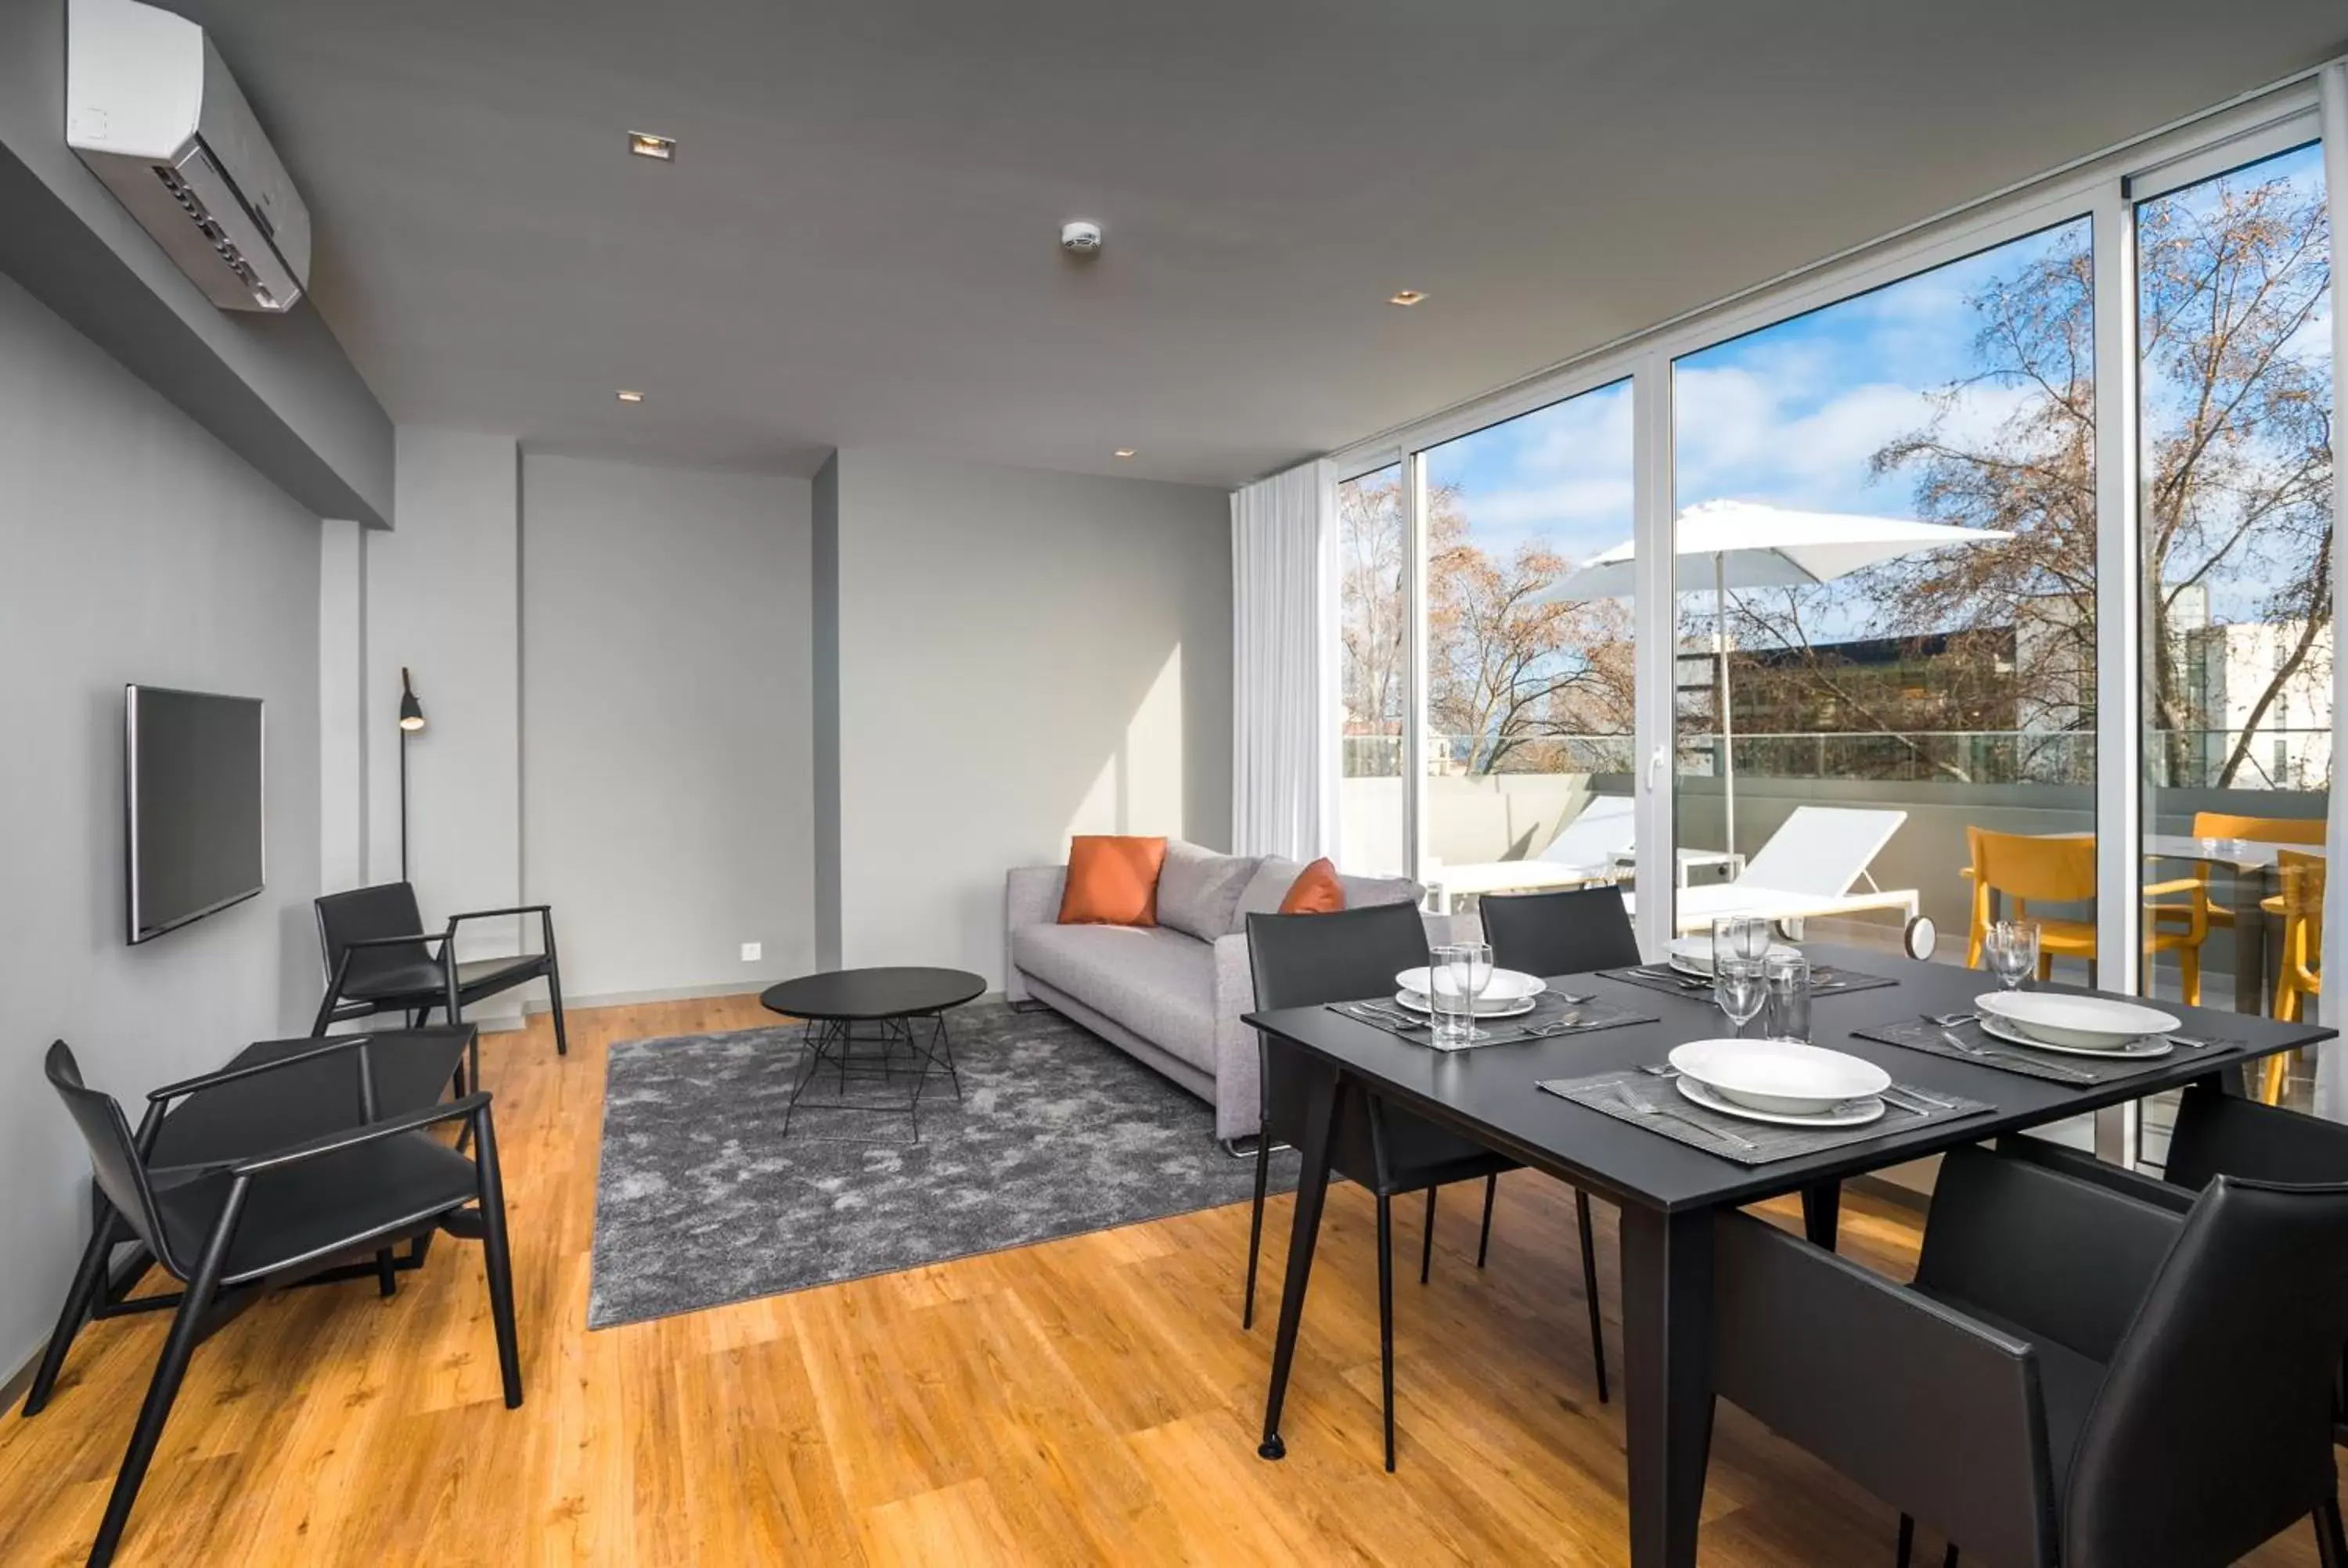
{"x": 858, "y": 243}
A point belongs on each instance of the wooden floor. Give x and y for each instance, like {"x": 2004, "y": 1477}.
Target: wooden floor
{"x": 1086, "y": 1400}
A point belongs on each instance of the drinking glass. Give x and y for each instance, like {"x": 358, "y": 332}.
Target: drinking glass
{"x": 1458, "y": 974}
{"x": 1786, "y": 977}
{"x": 1740, "y": 987}
{"x": 2011, "y": 948}
{"x": 1738, "y": 936}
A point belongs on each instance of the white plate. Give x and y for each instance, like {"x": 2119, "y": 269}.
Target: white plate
{"x": 1506, "y": 985}
{"x": 2090, "y": 1023}
{"x": 2143, "y": 1049}
{"x": 1782, "y": 1076}
{"x": 1484, "y": 1006}
{"x": 1853, "y": 1113}
{"x": 1692, "y": 955}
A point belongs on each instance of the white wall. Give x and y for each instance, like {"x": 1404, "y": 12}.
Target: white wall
{"x": 1022, "y": 655}
{"x": 668, "y": 792}
{"x": 136, "y": 547}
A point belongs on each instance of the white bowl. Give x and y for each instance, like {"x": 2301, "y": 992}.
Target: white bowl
{"x": 1694, "y": 954}
{"x": 2089, "y": 1023}
{"x": 1780, "y": 1075}
{"x": 1506, "y": 985}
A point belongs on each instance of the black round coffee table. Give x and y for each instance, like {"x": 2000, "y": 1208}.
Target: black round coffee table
{"x": 893, "y": 1003}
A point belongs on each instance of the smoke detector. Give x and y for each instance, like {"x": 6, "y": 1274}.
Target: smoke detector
{"x": 1080, "y": 237}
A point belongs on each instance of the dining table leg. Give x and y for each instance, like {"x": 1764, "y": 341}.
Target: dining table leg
{"x": 1822, "y": 1213}
{"x": 2249, "y": 886}
{"x": 1667, "y": 1378}
{"x": 1323, "y": 1101}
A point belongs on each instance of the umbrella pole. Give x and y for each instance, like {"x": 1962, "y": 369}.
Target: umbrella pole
{"x": 1727, "y": 725}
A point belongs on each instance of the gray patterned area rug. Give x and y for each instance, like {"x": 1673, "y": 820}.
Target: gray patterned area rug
{"x": 701, "y": 1200}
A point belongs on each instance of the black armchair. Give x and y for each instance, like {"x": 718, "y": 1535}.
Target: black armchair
{"x": 1567, "y": 933}
{"x": 235, "y": 1230}
{"x": 1303, "y": 960}
{"x": 2076, "y": 1376}
{"x": 380, "y": 958}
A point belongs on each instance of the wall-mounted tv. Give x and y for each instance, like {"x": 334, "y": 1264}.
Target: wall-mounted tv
{"x": 192, "y": 797}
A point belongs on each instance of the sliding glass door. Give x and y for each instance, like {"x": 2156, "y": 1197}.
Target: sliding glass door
{"x": 1374, "y": 561}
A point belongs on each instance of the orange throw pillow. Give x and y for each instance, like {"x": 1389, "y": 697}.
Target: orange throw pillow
{"x": 1315, "y": 891}
{"x": 1112, "y": 880}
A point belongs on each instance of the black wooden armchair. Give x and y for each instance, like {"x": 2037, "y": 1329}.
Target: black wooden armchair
{"x": 2075, "y": 1377}
{"x": 233, "y": 1231}
{"x": 380, "y": 958}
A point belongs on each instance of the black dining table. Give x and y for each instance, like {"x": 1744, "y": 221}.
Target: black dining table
{"x": 1670, "y": 1192}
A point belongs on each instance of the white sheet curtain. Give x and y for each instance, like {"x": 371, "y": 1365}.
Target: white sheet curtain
{"x": 2331, "y": 1070}
{"x": 1284, "y": 664}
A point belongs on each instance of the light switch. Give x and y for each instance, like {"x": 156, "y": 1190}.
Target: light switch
{"x": 751, "y": 951}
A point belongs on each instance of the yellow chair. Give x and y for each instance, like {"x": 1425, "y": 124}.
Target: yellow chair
{"x": 2226, "y": 825}
{"x": 2300, "y": 905}
{"x": 2024, "y": 866}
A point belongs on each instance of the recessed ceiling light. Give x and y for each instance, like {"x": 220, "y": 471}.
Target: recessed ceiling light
{"x": 1406, "y": 297}
{"x": 632, "y": 397}
{"x": 1122, "y": 452}
{"x": 645, "y": 144}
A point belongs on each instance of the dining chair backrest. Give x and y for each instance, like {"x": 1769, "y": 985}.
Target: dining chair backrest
{"x": 1564, "y": 933}
{"x": 2026, "y": 867}
{"x": 113, "y": 1153}
{"x": 1822, "y": 850}
{"x": 1306, "y": 960}
{"x": 2212, "y": 1429}
{"x": 2301, "y": 877}
{"x": 368, "y": 915}
{"x": 2259, "y": 829}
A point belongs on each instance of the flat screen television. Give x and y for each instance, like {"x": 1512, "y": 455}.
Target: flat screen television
{"x": 191, "y": 790}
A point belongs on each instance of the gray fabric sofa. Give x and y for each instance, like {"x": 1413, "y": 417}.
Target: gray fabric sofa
{"x": 1171, "y": 995}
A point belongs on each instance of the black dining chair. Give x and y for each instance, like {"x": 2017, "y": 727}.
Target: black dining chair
{"x": 1304, "y": 960}
{"x": 233, "y": 1231}
{"x": 380, "y": 958}
{"x": 2076, "y": 1376}
{"x": 1570, "y": 932}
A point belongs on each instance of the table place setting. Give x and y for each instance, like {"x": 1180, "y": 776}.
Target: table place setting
{"x": 1461, "y": 1001}
{"x": 1755, "y": 1101}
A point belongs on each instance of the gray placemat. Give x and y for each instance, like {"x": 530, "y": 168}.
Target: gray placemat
{"x": 1653, "y": 1101}
{"x": 1826, "y": 981}
{"x": 1553, "y": 1016}
{"x": 2054, "y": 1066}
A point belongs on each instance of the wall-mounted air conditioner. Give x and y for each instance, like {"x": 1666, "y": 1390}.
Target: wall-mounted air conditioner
{"x": 155, "y": 114}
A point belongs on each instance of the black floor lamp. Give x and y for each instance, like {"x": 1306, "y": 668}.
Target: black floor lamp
{"x": 411, "y": 719}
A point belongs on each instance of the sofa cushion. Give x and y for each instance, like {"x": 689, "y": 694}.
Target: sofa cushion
{"x": 1154, "y": 980}
{"x": 1315, "y": 891}
{"x": 1112, "y": 880}
{"x": 1277, "y": 875}
{"x": 1198, "y": 890}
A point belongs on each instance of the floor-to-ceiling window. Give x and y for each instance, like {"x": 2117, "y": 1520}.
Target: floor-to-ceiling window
{"x": 1374, "y": 559}
{"x": 1529, "y": 648}
{"x": 1885, "y": 552}
{"x": 2233, "y": 322}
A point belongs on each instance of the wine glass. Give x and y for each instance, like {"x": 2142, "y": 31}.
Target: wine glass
{"x": 2011, "y": 948}
{"x": 1740, "y": 987}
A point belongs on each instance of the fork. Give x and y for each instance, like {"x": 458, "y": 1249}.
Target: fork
{"x": 2052, "y": 1069}
{"x": 1389, "y": 1015}
{"x": 1623, "y": 1099}
{"x": 1950, "y": 1019}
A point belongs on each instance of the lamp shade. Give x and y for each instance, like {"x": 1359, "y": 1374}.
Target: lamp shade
{"x": 411, "y": 712}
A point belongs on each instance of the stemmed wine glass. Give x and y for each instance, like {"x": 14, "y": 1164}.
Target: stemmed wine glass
{"x": 2011, "y": 948}
{"x": 1740, "y": 987}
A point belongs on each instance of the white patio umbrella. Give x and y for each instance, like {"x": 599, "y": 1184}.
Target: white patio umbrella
{"x": 1753, "y": 545}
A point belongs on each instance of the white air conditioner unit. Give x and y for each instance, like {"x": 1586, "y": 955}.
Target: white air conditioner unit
{"x": 155, "y": 114}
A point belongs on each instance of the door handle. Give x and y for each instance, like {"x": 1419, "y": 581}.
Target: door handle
{"x": 1654, "y": 767}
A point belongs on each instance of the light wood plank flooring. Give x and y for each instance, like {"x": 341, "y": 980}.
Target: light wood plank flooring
{"x": 1086, "y": 1400}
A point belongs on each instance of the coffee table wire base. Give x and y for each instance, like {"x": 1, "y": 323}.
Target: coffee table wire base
{"x": 904, "y": 1053}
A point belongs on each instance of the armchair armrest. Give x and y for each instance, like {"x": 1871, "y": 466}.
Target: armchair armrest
{"x": 373, "y": 1131}
{"x": 492, "y": 914}
{"x": 187, "y": 1086}
{"x": 2067, "y": 1258}
{"x": 1031, "y": 896}
{"x": 2221, "y": 1133}
{"x": 359, "y": 942}
{"x": 1935, "y": 1412}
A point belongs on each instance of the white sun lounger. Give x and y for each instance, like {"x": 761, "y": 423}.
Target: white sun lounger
{"x": 1582, "y": 851}
{"x": 1811, "y": 866}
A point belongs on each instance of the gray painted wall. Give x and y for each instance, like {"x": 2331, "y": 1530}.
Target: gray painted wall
{"x": 825, "y": 621}
{"x": 1023, "y": 655}
{"x": 668, "y": 783}
{"x": 137, "y": 549}
{"x": 278, "y": 390}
